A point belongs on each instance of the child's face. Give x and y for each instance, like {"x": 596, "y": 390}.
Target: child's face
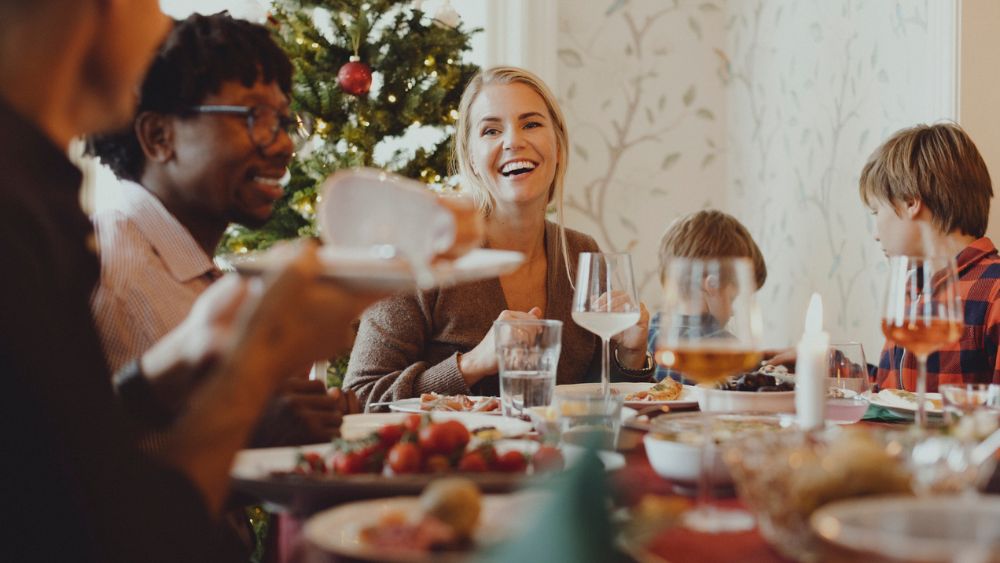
{"x": 720, "y": 301}
{"x": 895, "y": 229}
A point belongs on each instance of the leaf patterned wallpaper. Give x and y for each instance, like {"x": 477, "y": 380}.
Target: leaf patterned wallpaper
{"x": 766, "y": 109}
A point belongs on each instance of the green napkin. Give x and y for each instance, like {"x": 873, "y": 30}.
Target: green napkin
{"x": 881, "y": 414}
{"x": 572, "y": 527}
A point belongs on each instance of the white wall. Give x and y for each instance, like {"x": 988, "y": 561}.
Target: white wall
{"x": 979, "y": 85}
{"x": 766, "y": 109}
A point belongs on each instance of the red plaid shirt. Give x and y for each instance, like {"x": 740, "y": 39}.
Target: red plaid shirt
{"x": 973, "y": 359}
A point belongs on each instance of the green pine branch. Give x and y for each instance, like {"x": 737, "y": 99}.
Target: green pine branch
{"x": 421, "y": 70}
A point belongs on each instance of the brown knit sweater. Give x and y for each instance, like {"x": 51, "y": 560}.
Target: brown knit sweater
{"x": 407, "y": 344}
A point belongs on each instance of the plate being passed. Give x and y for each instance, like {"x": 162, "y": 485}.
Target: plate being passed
{"x": 687, "y": 398}
{"x": 338, "y": 530}
{"x": 905, "y": 403}
{"x": 253, "y": 472}
{"x": 381, "y": 269}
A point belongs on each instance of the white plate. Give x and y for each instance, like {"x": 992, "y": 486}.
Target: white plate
{"x": 937, "y": 528}
{"x": 365, "y": 269}
{"x": 360, "y": 425}
{"x": 724, "y": 400}
{"x": 253, "y": 469}
{"x": 338, "y": 530}
{"x": 902, "y": 406}
{"x": 686, "y": 399}
{"x": 413, "y": 406}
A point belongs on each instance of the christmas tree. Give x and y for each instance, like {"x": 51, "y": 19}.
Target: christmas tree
{"x": 367, "y": 72}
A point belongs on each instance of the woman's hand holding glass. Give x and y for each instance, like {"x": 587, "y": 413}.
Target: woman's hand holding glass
{"x": 481, "y": 361}
{"x": 631, "y": 344}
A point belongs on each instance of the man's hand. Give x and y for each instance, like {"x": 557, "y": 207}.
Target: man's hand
{"x": 297, "y": 317}
{"x": 303, "y": 412}
{"x": 175, "y": 364}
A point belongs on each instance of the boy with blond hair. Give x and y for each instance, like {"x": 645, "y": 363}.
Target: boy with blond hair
{"x": 930, "y": 192}
{"x": 704, "y": 234}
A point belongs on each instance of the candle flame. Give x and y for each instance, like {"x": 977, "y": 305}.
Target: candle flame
{"x": 814, "y": 315}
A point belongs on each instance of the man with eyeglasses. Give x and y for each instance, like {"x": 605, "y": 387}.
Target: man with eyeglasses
{"x": 208, "y": 146}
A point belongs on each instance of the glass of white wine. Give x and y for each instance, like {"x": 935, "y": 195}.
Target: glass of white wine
{"x": 709, "y": 331}
{"x": 605, "y": 300}
{"x": 923, "y": 313}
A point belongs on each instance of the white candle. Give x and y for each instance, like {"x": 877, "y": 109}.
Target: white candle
{"x": 811, "y": 368}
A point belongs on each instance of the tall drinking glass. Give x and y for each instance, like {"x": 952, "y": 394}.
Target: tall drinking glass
{"x": 923, "y": 312}
{"x": 847, "y": 383}
{"x": 605, "y": 300}
{"x": 710, "y": 330}
{"x": 527, "y": 355}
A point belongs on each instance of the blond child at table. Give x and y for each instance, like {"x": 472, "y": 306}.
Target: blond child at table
{"x": 704, "y": 234}
{"x": 930, "y": 192}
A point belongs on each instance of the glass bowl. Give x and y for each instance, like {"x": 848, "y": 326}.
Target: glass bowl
{"x": 673, "y": 445}
{"x": 784, "y": 476}
{"x": 913, "y": 529}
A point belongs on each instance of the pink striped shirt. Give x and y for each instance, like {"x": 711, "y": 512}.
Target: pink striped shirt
{"x": 152, "y": 271}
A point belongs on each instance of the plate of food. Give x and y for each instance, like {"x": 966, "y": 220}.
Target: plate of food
{"x": 904, "y": 402}
{"x": 448, "y": 403}
{"x": 450, "y": 521}
{"x": 400, "y": 457}
{"x": 767, "y": 389}
{"x": 641, "y": 395}
{"x": 485, "y": 425}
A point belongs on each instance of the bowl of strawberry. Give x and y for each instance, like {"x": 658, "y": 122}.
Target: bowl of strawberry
{"x": 420, "y": 446}
{"x": 396, "y": 459}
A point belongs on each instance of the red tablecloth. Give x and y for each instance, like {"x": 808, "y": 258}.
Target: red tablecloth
{"x": 678, "y": 544}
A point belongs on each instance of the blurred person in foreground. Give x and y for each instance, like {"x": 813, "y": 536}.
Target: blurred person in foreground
{"x": 208, "y": 146}
{"x": 929, "y": 190}
{"x": 75, "y": 485}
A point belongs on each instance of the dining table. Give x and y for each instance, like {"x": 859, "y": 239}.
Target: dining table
{"x": 629, "y": 485}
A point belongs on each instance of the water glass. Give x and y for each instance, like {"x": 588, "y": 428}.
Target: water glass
{"x": 847, "y": 384}
{"x": 528, "y": 355}
{"x": 590, "y": 419}
{"x": 971, "y": 409}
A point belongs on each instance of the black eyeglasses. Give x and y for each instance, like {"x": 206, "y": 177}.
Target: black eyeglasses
{"x": 263, "y": 122}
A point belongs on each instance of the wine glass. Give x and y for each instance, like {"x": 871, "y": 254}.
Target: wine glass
{"x": 709, "y": 331}
{"x": 923, "y": 312}
{"x": 847, "y": 383}
{"x": 605, "y": 300}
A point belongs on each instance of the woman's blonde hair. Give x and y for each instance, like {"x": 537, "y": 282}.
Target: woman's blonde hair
{"x": 461, "y": 161}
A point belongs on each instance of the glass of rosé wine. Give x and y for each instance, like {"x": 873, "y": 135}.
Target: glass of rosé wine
{"x": 710, "y": 330}
{"x": 922, "y": 313}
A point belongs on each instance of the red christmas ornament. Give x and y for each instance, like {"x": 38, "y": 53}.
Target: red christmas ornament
{"x": 355, "y": 77}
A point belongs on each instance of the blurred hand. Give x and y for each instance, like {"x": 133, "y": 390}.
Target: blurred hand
{"x": 784, "y": 357}
{"x": 303, "y": 412}
{"x": 481, "y": 361}
{"x": 469, "y": 225}
{"x": 175, "y": 364}
{"x": 297, "y": 317}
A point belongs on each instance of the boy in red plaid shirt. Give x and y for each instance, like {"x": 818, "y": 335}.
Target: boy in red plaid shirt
{"x": 928, "y": 187}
